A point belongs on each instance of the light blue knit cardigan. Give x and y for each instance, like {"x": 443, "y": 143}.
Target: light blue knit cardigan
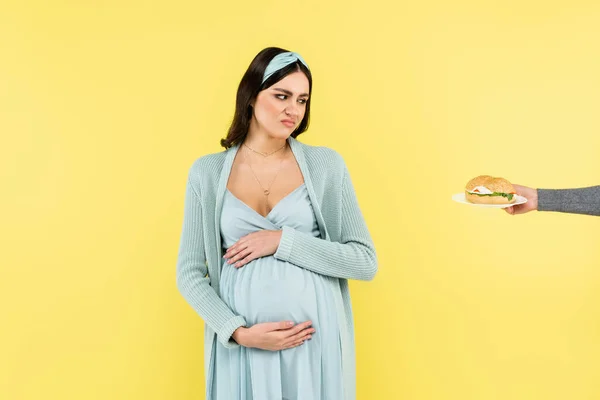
{"x": 344, "y": 251}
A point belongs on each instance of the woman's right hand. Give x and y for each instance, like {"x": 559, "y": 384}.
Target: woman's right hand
{"x": 532, "y": 200}
{"x": 274, "y": 336}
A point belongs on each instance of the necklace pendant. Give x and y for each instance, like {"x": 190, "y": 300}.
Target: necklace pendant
{"x": 267, "y": 192}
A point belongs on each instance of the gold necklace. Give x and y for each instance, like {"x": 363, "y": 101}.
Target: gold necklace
{"x": 266, "y": 191}
{"x": 265, "y": 154}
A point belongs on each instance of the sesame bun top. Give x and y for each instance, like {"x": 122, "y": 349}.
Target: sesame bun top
{"x": 498, "y": 185}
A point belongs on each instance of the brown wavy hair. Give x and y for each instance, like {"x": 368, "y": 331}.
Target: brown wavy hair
{"x": 251, "y": 84}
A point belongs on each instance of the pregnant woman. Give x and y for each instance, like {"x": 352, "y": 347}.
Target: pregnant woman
{"x": 272, "y": 232}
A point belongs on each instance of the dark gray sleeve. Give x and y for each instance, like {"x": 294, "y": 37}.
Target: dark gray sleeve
{"x": 576, "y": 201}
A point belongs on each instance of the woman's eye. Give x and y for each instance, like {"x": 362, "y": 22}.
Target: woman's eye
{"x": 285, "y": 97}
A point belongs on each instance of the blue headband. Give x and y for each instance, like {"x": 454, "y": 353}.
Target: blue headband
{"x": 282, "y": 60}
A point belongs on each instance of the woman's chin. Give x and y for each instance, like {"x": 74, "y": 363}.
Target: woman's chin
{"x": 281, "y": 134}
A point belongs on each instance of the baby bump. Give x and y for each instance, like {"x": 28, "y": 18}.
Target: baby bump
{"x": 269, "y": 290}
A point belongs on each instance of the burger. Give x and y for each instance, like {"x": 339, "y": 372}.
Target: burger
{"x": 486, "y": 189}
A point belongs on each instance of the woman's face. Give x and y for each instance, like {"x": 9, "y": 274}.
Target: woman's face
{"x": 279, "y": 109}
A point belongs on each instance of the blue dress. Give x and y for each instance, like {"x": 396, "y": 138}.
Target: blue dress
{"x": 271, "y": 290}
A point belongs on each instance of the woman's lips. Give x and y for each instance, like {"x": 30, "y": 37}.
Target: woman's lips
{"x": 288, "y": 123}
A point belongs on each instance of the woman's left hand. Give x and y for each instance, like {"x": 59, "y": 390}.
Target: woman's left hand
{"x": 250, "y": 247}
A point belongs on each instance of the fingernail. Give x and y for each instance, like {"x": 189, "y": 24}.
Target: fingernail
{"x": 290, "y": 323}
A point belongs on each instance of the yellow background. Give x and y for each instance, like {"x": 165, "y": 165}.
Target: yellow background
{"x": 105, "y": 105}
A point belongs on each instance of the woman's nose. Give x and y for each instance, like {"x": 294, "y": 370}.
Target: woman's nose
{"x": 292, "y": 110}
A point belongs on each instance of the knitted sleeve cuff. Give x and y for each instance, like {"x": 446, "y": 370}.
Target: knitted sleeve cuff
{"x": 548, "y": 199}
{"x": 224, "y": 334}
{"x": 285, "y": 244}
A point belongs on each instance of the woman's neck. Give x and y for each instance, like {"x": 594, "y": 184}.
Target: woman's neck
{"x": 262, "y": 143}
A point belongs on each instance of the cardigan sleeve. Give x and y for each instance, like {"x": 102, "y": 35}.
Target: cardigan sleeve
{"x": 353, "y": 257}
{"x": 192, "y": 274}
{"x": 576, "y": 201}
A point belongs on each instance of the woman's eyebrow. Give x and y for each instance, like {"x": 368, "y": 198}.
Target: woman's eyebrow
{"x": 289, "y": 93}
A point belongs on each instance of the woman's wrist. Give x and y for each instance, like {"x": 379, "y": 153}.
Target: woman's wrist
{"x": 278, "y": 235}
{"x": 239, "y": 335}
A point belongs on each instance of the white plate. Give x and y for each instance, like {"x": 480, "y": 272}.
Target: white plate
{"x": 460, "y": 198}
